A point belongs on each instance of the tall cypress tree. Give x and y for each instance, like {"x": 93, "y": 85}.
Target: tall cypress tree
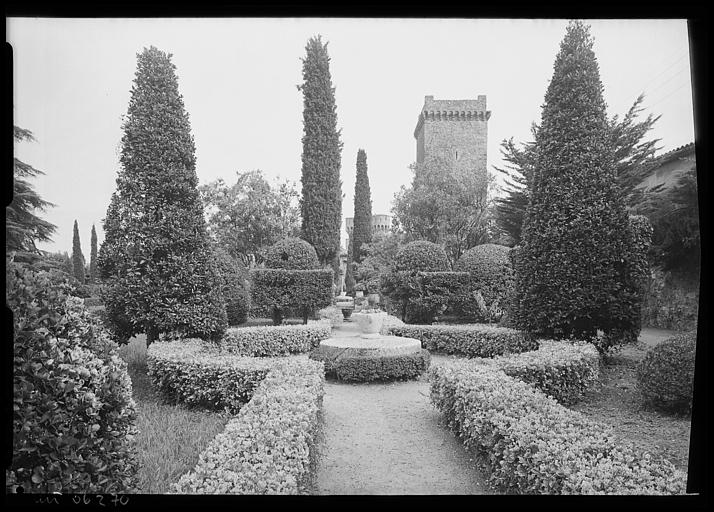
{"x": 93, "y": 257}
{"x": 362, "y": 232}
{"x": 321, "y": 202}
{"x": 156, "y": 259}
{"x": 77, "y": 256}
{"x": 574, "y": 271}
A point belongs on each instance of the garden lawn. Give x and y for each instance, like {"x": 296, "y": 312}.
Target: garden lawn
{"x": 616, "y": 401}
{"x": 170, "y": 436}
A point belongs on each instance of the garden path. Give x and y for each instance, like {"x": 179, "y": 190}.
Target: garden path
{"x": 389, "y": 439}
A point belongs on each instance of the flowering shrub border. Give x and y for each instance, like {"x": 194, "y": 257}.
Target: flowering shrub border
{"x": 534, "y": 445}
{"x": 269, "y": 448}
{"x": 278, "y": 340}
{"x": 472, "y": 340}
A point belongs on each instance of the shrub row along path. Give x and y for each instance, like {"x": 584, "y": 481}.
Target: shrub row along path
{"x": 389, "y": 439}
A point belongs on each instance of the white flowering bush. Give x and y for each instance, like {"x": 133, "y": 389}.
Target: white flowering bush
{"x": 472, "y": 340}
{"x": 533, "y": 445}
{"x": 198, "y": 373}
{"x": 268, "y": 448}
{"x": 279, "y": 340}
{"x": 559, "y": 369}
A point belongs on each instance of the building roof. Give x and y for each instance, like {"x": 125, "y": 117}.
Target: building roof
{"x": 675, "y": 153}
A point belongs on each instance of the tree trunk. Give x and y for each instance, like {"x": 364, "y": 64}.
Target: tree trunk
{"x": 152, "y": 334}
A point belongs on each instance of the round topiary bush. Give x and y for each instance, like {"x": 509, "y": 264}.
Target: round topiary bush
{"x": 74, "y": 417}
{"x": 491, "y": 275}
{"x": 665, "y": 376}
{"x": 422, "y": 256}
{"x": 291, "y": 254}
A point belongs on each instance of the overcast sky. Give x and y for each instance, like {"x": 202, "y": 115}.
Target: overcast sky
{"x": 238, "y": 79}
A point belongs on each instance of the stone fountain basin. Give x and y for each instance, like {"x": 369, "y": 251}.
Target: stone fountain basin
{"x": 357, "y": 346}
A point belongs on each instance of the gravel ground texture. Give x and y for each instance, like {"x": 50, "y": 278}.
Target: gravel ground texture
{"x": 389, "y": 439}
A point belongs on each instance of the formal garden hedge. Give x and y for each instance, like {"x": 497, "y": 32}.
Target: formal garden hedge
{"x": 369, "y": 368}
{"x": 269, "y": 447}
{"x": 533, "y": 445}
{"x": 560, "y": 369}
{"x": 270, "y": 341}
{"x": 473, "y": 340}
{"x": 199, "y": 374}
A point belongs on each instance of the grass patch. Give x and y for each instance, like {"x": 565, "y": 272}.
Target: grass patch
{"x": 170, "y": 436}
{"x": 616, "y": 401}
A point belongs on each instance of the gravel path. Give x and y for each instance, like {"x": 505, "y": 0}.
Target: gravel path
{"x": 389, "y": 439}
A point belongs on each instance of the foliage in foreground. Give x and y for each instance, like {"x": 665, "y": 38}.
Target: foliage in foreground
{"x": 269, "y": 448}
{"x": 533, "y": 445}
{"x": 156, "y": 259}
{"x": 74, "y": 418}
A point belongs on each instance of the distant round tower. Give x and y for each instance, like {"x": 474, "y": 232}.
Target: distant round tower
{"x": 456, "y": 130}
{"x": 380, "y": 224}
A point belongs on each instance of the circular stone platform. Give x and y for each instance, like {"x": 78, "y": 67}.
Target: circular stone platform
{"x": 362, "y": 347}
{"x": 358, "y": 359}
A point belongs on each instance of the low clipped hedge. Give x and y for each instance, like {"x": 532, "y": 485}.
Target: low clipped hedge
{"x": 383, "y": 368}
{"x": 199, "y": 374}
{"x": 270, "y": 341}
{"x": 559, "y": 369}
{"x": 269, "y": 448}
{"x": 665, "y": 376}
{"x": 472, "y": 340}
{"x": 533, "y": 445}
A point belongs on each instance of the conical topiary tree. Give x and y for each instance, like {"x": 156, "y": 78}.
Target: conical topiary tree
{"x": 77, "y": 256}
{"x": 321, "y": 202}
{"x": 362, "y": 231}
{"x": 574, "y": 273}
{"x": 156, "y": 259}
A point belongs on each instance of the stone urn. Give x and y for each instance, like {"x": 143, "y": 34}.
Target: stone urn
{"x": 370, "y": 322}
{"x": 346, "y": 304}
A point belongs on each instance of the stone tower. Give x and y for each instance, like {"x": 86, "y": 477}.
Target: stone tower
{"x": 456, "y": 130}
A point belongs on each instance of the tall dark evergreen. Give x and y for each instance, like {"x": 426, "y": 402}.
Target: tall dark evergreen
{"x": 362, "y": 230}
{"x": 634, "y": 159}
{"x": 156, "y": 260}
{"x": 575, "y": 270}
{"x": 23, "y": 228}
{"x": 93, "y": 257}
{"x": 77, "y": 256}
{"x": 321, "y": 202}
